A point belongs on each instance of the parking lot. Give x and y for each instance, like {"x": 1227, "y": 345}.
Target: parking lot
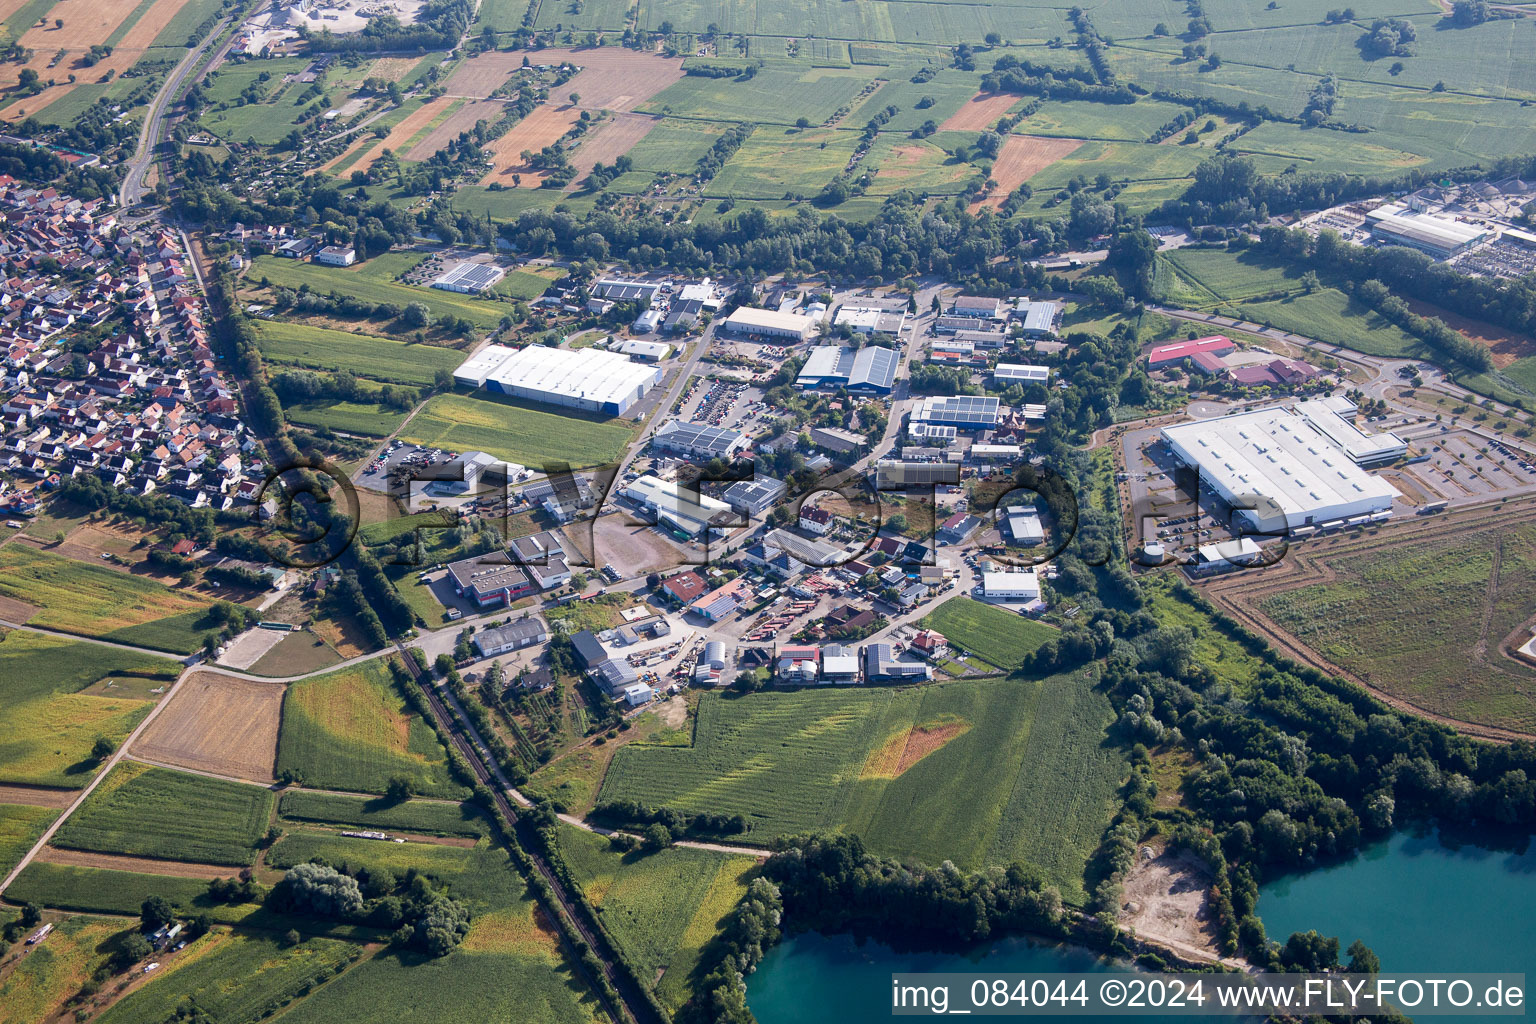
{"x": 1463, "y": 465}
{"x": 400, "y": 460}
{"x": 735, "y": 406}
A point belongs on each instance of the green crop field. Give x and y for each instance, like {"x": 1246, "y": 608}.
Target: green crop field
{"x": 353, "y": 730}
{"x": 674, "y": 145}
{"x": 48, "y": 722}
{"x": 365, "y": 282}
{"x": 372, "y": 420}
{"x": 660, "y": 908}
{"x": 776, "y": 95}
{"x": 1330, "y": 315}
{"x": 382, "y": 359}
{"x": 20, "y": 826}
{"x": 154, "y": 812}
{"x": 90, "y": 600}
{"x": 1020, "y": 770}
{"x": 517, "y": 431}
{"x": 235, "y": 978}
{"x": 1154, "y": 173}
{"x": 1235, "y": 276}
{"x": 1003, "y": 638}
{"x": 100, "y": 890}
{"x": 774, "y": 161}
{"x": 1425, "y": 621}
{"x": 1079, "y": 119}
{"x": 483, "y": 876}
{"x": 425, "y": 816}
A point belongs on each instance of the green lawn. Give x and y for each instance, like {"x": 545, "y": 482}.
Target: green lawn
{"x": 660, "y": 908}
{"x": 517, "y": 431}
{"x": 424, "y": 816}
{"x": 999, "y": 637}
{"x": 352, "y": 730}
{"x": 1016, "y": 770}
{"x": 382, "y": 359}
{"x": 48, "y": 722}
{"x": 154, "y": 812}
{"x": 91, "y": 600}
{"x": 367, "y": 281}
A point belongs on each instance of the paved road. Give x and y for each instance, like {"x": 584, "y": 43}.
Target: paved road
{"x": 154, "y": 121}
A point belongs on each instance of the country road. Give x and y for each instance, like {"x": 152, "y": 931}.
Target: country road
{"x": 154, "y": 121}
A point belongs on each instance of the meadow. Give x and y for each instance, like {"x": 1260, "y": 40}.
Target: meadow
{"x": 235, "y": 978}
{"x": 775, "y": 95}
{"x": 41, "y": 982}
{"x": 364, "y": 282}
{"x": 381, "y": 359}
{"x": 517, "y": 431}
{"x": 1424, "y": 621}
{"x": 1002, "y": 638}
{"x": 660, "y": 908}
{"x": 980, "y": 773}
{"x": 1235, "y": 276}
{"x": 89, "y": 600}
{"x": 20, "y": 826}
{"x": 352, "y": 730}
{"x": 368, "y": 419}
{"x": 1330, "y": 315}
{"x": 144, "y": 811}
{"x": 424, "y": 816}
{"x": 483, "y": 876}
{"x": 48, "y": 724}
{"x": 774, "y": 161}
{"x": 1079, "y": 119}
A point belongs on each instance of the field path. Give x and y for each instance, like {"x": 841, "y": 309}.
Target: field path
{"x": 143, "y": 865}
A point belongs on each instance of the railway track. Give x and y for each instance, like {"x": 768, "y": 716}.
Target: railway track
{"x": 633, "y": 1007}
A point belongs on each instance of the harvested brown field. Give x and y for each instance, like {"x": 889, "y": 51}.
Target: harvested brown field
{"x": 393, "y": 69}
{"x": 909, "y": 746}
{"x": 12, "y": 610}
{"x": 405, "y": 130}
{"x": 358, "y": 142}
{"x": 461, "y": 120}
{"x": 979, "y": 113}
{"x": 611, "y": 140}
{"x": 142, "y": 865}
{"x": 220, "y": 724}
{"x": 1505, "y": 345}
{"x": 84, "y": 27}
{"x": 1021, "y": 158}
{"x": 37, "y": 796}
{"x": 543, "y": 127}
{"x": 611, "y": 77}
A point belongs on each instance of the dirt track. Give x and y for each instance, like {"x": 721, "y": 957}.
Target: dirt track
{"x": 142, "y": 865}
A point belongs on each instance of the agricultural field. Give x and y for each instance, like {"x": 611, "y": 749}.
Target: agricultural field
{"x": 1002, "y": 638}
{"x": 100, "y": 890}
{"x": 1154, "y": 173}
{"x": 482, "y": 876}
{"x": 1372, "y": 617}
{"x": 20, "y": 826}
{"x": 773, "y": 162}
{"x": 1234, "y": 277}
{"x": 422, "y": 816}
{"x": 674, "y": 146}
{"x": 363, "y": 355}
{"x": 57, "y": 697}
{"x": 774, "y": 96}
{"x": 1330, "y": 315}
{"x": 1079, "y": 119}
{"x": 217, "y": 723}
{"x": 365, "y": 282}
{"x": 517, "y": 431}
{"x": 353, "y": 730}
{"x": 982, "y": 772}
{"x": 43, "y": 981}
{"x": 660, "y": 908}
{"x": 367, "y": 419}
{"x": 235, "y": 978}
{"x": 43, "y": 589}
{"x": 142, "y": 811}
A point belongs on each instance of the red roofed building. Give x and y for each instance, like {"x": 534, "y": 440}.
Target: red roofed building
{"x": 1167, "y": 355}
{"x": 1277, "y": 372}
{"x": 685, "y": 586}
{"x": 930, "y": 643}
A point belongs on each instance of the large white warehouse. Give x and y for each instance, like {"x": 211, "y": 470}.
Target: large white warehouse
{"x": 586, "y": 378}
{"x": 1277, "y": 461}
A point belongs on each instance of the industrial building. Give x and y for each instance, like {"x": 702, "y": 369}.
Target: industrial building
{"x": 514, "y": 636}
{"x": 489, "y": 580}
{"x": 588, "y": 379}
{"x": 894, "y": 475}
{"x": 1023, "y": 585}
{"x": 469, "y": 278}
{"x": 1334, "y": 418}
{"x": 872, "y": 368}
{"x": 1037, "y": 319}
{"x": 963, "y": 412}
{"x": 645, "y": 351}
{"x": 770, "y": 323}
{"x": 979, "y": 306}
{"x": 464, "y": 473}
{"x": 1438, "y": 236}
{"x": 1278, "y": 472}
{"x": 950, "y": 324}
{"x": 881, "y": 665}
{"x": 473, "y": 371}
{"x": 686, "y": 512}
{"x": 1020, "y": 373}
{"x": 542, "y": 556}
{"x": 337, "y": 256}
{"x": 700, "y": 440}
{"x": 843, "y": 442}
{"x": 1205, "y": 352}
{"x": 1023, "y": 526}
{"x": 625, "y": 291}
{"x": 754, "y": 498}
{"x": 870, "y": 319}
